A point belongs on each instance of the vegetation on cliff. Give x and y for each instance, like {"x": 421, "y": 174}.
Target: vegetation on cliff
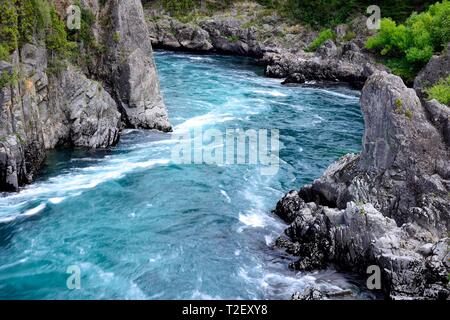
{"x": 38, "y": 21}
{"x": 409, "y": 46}
{"x": 313, "y": 12}
{"x": 440, "y": 91}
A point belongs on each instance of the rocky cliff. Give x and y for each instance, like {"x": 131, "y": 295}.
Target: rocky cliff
{"x": 41, "y": 109}
{"x": 388, "y": 206}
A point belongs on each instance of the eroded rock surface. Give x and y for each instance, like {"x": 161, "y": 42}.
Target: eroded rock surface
{"x": 388, "y": 206}
{"x": 42, "y": 110}
{"x": 328, "y": 64}
{"x": 129, "y": 68}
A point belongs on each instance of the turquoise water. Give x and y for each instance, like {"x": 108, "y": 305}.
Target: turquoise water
{"x": 141, "y": 227}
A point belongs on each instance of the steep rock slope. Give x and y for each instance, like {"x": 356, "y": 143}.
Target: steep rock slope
{"x": 388, "y": 206}
{"x": 42, "y": 110}
{"x": 129, "y": 68}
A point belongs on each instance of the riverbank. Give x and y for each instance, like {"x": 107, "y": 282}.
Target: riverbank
{"x": 250, "y": 29}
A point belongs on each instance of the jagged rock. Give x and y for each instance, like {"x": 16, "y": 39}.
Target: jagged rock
{"x": 225, "y": 35}
{"x": 228, "y": 36}
{"x": 21, "y": 139}
{"x": 313, "y": 293}
{"x": 172, "y": 34}
{"x": 327, "y": 50}
{"x": 404, "y": 165}
{"x": 308, "y": 294}
{"x": 130, "y": 69}
{"x": 39, "y": 113}
{"x": 440, "y": 117}
{"x": 329, "y": 63}
{"x": 388, "y": 206}
{"x": 92, "y": 116}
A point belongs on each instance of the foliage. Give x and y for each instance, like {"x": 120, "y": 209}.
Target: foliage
{"x": 349, "y": 36}
{"x": 317, "y": 13}
{"x": 440, "y": 91}
{"x": 23, "y": 21}
{"x": 4, "y": 52}
{"x": 7, "y": 78}
{"x": 116, "y": 37}
{"x": 9, "y": 32}
{"x": 185, "y": 7}
{"x": 333, "y": 12}
{"x": 325, "y": 35}
{"x": 56, "y": 37}
{"x": 409, "y": 46}
{"x": 233, "y": 38}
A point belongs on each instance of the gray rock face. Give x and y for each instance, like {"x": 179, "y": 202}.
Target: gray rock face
{"x": 225, "y": 35}
{"x": 41, "y": 112}
{"x": 92, "y": 117}
{"x": 21, "y": 138}
{"x": 172, "y": 34}
{"x": 330, "y": 63}
{"x": 228, "y": 36}
{"x": 437, "y": 68}
{"x": 440, "y": 117}
{"x": 383, "y": 206}
{"x": 130, "y": 68}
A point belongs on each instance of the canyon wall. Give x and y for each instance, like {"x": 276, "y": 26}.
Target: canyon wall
{"x": 43, "y": 109}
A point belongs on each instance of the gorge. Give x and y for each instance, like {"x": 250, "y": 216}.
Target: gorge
{"x": 110, "y": 200}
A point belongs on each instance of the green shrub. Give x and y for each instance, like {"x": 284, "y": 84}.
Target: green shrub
{"x": 409, "y": 46}
{"x": 9, "y": 32}
{"x": 116, "y": 37}
{"x": 323, "y": 36}
{"x": 409, "y": 114}
{"x": 56, "y": 37}
{"x": 440, "y": 91}
{"x": 4, "y": 53}
{"x": 234, "y": 38}
{"x": 7, "y": 78}
{"x": 349, "y": 36}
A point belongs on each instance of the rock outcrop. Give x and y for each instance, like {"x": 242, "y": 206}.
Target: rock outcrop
{"x": 42, "y": 110}
{"x": 388, "y": 206}
{"x": 330, "y": 63}
{"x": 129, "y": 69}
{"x": 223, "y": 35}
